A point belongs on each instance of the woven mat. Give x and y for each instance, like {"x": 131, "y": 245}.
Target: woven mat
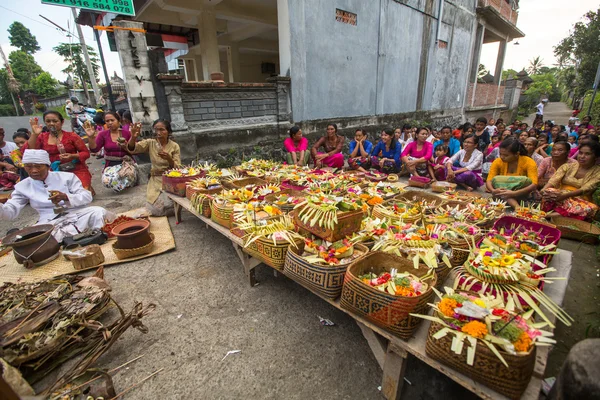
{"x": 11, "y": 271}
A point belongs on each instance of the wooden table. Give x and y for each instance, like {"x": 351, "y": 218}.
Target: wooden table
{"x": 390, "y": 351}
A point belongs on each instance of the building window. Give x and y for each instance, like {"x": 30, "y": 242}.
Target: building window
{"x": 442, "y": 44}
{"x": 345, "y": 17}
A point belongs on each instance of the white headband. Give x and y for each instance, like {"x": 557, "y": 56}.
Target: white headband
{"x": 33, "y": 156}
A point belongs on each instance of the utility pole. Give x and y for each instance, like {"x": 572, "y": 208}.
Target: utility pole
{"x": 13, "y": 85}
{"x": 97, "y": 93}
{"x": 111, "y": 99}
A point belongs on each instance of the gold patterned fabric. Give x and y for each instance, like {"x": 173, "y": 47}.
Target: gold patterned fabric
{"x": 159, "y": 165}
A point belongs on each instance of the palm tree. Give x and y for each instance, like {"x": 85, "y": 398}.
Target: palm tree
{"x": 535, "y": 65}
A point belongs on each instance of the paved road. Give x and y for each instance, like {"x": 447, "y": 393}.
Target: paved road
{"x": 11, "y": 124}
{"x": 557, "y": 112}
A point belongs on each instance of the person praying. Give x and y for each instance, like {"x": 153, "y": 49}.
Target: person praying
{"x": 58, "y": 197}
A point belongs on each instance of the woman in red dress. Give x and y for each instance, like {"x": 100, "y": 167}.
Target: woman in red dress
{"x": 65, "y": 147}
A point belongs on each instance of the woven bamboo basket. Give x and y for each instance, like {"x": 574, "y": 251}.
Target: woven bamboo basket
{"x": 222, "y": 214}
{"x": 286, "y": 208}
{"x": 383, "y": 309}
{"x": 274, "y": 255}
{"x": 326, "y": 280}
{"x": 190, "y": 191}
{"x": 487, "y": 368}
{"x": 412, "y": 196}
{"x": 240, "y": 183}
{"x": 177, "y": 184}
{"x": 347, "y": 224}
{"x": 93, "y": 257}
{"x": 575, "y": 229}
{"x": 385, "y": 210}
{"x": 128, "y": 253}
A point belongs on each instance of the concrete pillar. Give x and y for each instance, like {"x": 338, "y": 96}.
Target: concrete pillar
{"x": 500, "y": 62}
{"x": 284, "y": 110}
{"x": 209, "y": 46}
{"x": 476, "y": 53}
{"x": 172, "y": 85}
{"x": 285, "y": 42}
{"x": 133, "y": 54}
{"x": 233, "y": 62}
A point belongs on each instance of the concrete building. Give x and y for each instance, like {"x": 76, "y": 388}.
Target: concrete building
{"x": 309, "y": 62}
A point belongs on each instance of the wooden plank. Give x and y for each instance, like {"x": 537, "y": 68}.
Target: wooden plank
{"x": 393, "y": 372}
{"x": 376, "y": 342}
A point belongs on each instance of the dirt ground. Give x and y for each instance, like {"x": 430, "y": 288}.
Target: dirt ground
{"x": 205, "y": 308}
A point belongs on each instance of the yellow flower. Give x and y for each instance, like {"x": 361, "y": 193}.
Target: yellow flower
{"x": 507, "y": 260}
{"x": 480, "y": 303}
{"x": 476, "y": 329}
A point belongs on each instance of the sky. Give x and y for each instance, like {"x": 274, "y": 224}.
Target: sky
{"x": 544, "y": 22}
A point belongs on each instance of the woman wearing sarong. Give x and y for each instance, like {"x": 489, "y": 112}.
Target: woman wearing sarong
{"x": 360, "y": 150}
{"x": 513, "y": 176}
{"x": 332, "y": 143}
{"x": 296, "y": 147}
{"x": 549, "y": 165}
{"x": 417, "y": 154}
{"x": 385, "y": 156}
{"x": 108, "y": 139}
{"x": 569, "y": 191}
{"x": 68, "y": 152}
{"x": 464, "y": 168}
{"x": 164, "y": 155}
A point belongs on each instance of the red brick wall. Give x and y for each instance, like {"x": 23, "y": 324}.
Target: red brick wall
{"x": 485, "y": 94}
{"x": 503, "y": 7}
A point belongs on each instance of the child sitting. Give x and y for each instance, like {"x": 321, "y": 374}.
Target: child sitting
{"x": 437, "y": 166}
{"x": 493, "y": 144}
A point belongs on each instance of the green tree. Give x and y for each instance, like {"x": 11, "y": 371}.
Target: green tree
{"x": 24, "y": 67}
{"x": 535, "y": 65}
{"x": 22, "y": 38}
{"x": 45, "y": 85}
{"x": 543, "y": 85}
{"x": 72, "y": 54}
{"x": 582, "y": 48}
{"x": 4, "y": 92}
{"x": 509, "y": 72}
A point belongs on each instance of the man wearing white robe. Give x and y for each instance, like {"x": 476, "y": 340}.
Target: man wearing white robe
{"x": 44, "y": 190}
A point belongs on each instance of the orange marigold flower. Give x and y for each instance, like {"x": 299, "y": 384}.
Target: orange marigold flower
{"x": 523, "y": 343}
{"x": 375, "y": 200}
{"x": 476, "y": 329}
{"x": 447, "y": 306}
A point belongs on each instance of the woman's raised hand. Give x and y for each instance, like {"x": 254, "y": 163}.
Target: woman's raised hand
{"x": 136, "y": 129}
{"x": 36, "y": 128}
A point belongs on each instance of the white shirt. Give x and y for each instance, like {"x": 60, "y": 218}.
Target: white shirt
{"x": 474, "y": 162}
{"x": 8, "y": 147}
{"x": 492, "y": 129}
{"x": 36, "y": 193}
{"x": 540, "y": 109}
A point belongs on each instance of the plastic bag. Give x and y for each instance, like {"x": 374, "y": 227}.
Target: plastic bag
{"x": 111, "y": 178}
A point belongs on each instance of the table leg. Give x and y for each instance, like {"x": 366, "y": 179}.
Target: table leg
{"x": 249, "y": 264}
{"x": 177, "y": 212}
{"x": 394, "y": 367}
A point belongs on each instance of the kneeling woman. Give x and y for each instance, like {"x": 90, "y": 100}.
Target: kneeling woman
{"x": 569, "y": 191}
{"x": 360, "y": 150}
{"x": 297, "y": 147}
{"x": 386, "y": 154}
{"x": 464, "y": 167}
{"x": 332, "y": 143}
{"x": 513, "y": 176}
{"x": 417, "y": 154}
{"x": 164, "y": 155}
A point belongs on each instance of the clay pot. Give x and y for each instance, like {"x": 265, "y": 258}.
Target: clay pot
{"x": 132, "y": 234}
{"x": 33, "y": 246}
{"x": 217, "y": 76}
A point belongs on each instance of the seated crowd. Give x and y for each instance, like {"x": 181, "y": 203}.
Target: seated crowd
{"x": 556, "y": 166}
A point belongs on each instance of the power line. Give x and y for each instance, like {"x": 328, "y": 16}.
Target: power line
{"x": 25, "y": 16}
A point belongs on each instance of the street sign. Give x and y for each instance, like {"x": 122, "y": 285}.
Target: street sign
{"x": 123, "y": 7}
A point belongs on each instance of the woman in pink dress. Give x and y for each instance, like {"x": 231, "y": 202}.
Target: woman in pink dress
{"x": 109, "y": 139}
{"x": 417, "y": 154}
{"x": 296, "y": 147}
{"x": 332, "y": 143}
